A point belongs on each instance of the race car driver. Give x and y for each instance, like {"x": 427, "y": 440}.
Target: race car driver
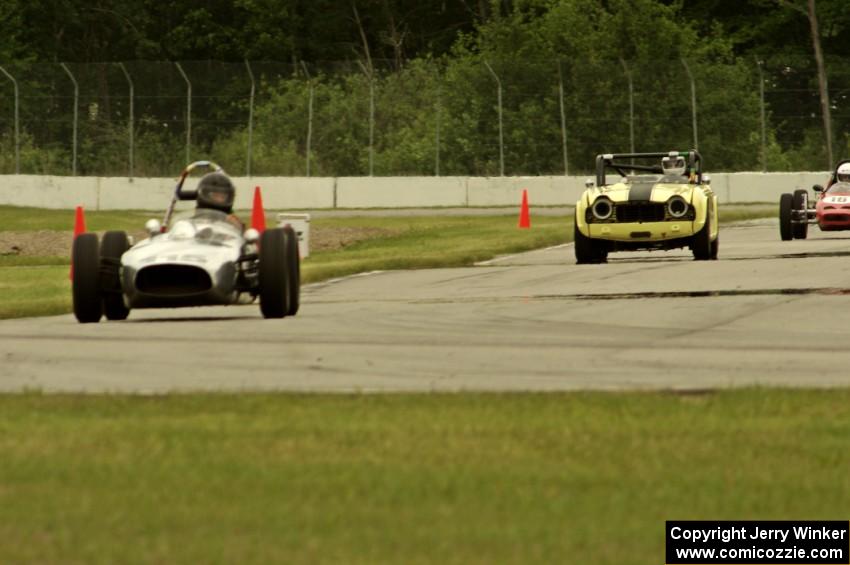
{"x": 843, "y": 173}
{"x": 674, "y": 167}
{"x": 216, "y": 192}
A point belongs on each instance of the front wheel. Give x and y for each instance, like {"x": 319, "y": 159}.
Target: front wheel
{"x": 85, "y": 281}
{"x": 274, "y": 274}
{"x": 801, "y": 204}
{"x": 786, "y": 202}
{"x": 113, "y": 246}
{"x": 587, "y": 250}
{"x": 702, "y": 244}
{"x": 293, "y": 271}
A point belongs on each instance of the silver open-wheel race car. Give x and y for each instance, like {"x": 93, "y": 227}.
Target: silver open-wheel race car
{"x": 196, "y": 258}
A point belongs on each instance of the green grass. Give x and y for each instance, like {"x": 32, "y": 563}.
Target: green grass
{"x": 467, "y": 478}
{"x": 34, "y": 286}
{"x": 429, "y": 242}
{"x": 16, "y": 218}
{"x": 34, "y": 291}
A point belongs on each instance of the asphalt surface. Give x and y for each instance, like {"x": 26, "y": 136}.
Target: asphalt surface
{"x": 768, "y": 312}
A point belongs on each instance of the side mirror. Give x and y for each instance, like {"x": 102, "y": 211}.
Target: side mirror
{"x": 706, "y": 179}
{"x": 817, "y": 188}
{"x": 589, "y": 183}
{"x": 153, "y": 227}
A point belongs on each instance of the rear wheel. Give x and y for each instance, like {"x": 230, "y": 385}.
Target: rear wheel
{"x": 786, "y": 202}
{"x": 85, "y": 290}
{"x": 801, "y": 204}
{"x": 114, "y": 244}
{"x": 587, "y": 249}
{"x": 293, "y": 271}
{"x": 274, "y": 278}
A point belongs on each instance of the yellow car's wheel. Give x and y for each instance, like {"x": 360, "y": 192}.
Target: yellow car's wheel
{"x": 588, "y": 250}
{"x": 701, "y": 244}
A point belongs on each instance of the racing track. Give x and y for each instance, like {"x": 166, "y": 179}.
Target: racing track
{"x": 767, "y": 312}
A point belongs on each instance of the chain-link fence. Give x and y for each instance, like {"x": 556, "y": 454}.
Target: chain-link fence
{"x": 469, "y": 116}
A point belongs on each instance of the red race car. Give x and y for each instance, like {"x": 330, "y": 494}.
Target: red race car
{"x": 831, "y": 209}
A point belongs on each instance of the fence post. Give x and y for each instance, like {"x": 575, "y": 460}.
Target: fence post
{"x": 437, "y": 110}
{"x": 501, "y": 133}
{"x": 130, "y": 82}
{"x": 76, "y": 116}
{"x": 693, "y": 101}
{"x": 631, "y": 105}
{"x": 309, "y": 115}
{"x": 188, "y": 112}
{"x": 763, "y": 120}
{"x": 17, "y": 124}
{"x": 250, "y": 120}
{"x": 563, "y": 119}
{"x": 371, "y": 125}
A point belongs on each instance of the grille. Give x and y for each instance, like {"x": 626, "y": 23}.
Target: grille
{"x": 173, "y": 280}
{"x": 836, "y": 217}
{"x": 640, "y": 212}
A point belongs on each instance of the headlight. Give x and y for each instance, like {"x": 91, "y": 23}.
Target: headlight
{"x": 602, "y": 208}
{"x": 183, "y": 230}
{"x": 677, "y": 207}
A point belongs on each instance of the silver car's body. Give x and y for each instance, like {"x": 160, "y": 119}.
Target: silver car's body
{"x": 199, "y": 258}
{"x": 195, "y": 263}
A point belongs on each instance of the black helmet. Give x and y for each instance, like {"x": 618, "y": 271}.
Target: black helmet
{"x": 217, "y": 192}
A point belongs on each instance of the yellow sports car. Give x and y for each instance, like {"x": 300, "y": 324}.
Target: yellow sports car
{"x": 654, "y": 201}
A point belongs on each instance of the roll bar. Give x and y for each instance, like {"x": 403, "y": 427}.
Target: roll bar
{"x": 609, "y": 160}
{"x": 180, "y": 194}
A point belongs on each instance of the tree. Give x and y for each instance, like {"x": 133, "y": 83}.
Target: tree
{"x": 810, "y": 12}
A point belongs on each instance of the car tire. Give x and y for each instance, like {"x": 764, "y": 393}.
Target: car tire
{"x": 112, "y": 247}
{"x": 587, "y": 250}
{"x": 273, "y": 276}
{"x": 701, "y": 243}
{"x": 801, "y": 202}
{"x": 786, "y": 202}
{"x": 293, "y": 271}
{"x": 85, "y": 281}
{"x": 715, "y": 247}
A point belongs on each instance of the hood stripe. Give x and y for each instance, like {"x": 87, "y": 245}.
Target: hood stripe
{"x": 641, "y": 192}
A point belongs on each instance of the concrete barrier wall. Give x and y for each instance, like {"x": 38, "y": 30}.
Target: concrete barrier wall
{"x": 399, "y": 192}
{"x": 762, "y": 187}
{"x": 287, "y": 193}
{"x": 543, "y": 191}
{"x": 291, "y": 193}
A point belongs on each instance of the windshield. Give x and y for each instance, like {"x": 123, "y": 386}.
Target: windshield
{"x": 839, "y": 187}
{"x": 204, "y": 225}
{"x": 643, "y": 178}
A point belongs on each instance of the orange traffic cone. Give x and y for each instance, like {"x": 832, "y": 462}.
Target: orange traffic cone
{"x": 79, "y": 222}
{"x": 258, "y": 215}
{"x": 524, "y": 219}
{"x": 79, "y": 227}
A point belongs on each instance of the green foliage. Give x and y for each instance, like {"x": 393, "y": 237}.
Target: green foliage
{"x": 425, "y": 64}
